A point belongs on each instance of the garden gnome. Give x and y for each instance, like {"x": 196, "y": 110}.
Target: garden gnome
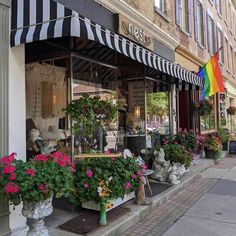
{"x": 160, "y": 166}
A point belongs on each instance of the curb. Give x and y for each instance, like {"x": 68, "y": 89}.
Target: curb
{"x": 138, "y": 213}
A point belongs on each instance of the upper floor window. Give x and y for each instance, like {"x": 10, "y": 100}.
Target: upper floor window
{"x": 227, "y": 52}
{"x": 210, "y": 33}
{"x": 161, "y": 5}
{"x": 219, "y": 7}
{"x": 184, "y": 15}
{"x": 220, "y": 44}
{"x": 199, "y": 23}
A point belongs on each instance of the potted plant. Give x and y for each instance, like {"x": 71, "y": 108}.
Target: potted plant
{"x": 204, "y": 107}
{"x": 224, "y": 137}
{"x": 88, "y": 114}
{"x": 175, "y": 153}
{"x": 231, "y": 110}
{"x": 35, "y": 183}
{"x": 103, "y": 180}
{"x": 212, "y": 146}
{"x": 186, "y": 139}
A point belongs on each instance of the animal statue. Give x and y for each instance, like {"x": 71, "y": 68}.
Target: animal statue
{"x": 181, "y": 169}
{"x": 173, "y": 177}
{"x": 160, "y": 166}
{"x": 47, "y": 146}
{"x": 31, "y": 142}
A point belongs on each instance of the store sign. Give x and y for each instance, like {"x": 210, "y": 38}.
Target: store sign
{"x": 135, "y": 32}
{"x": 222, "y": 109}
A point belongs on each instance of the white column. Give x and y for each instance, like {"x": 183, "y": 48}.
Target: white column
{"x": 17, "y": 126}
{"x": 173, "y": 109}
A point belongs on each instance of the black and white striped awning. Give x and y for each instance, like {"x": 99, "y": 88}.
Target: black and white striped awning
{"x": 35, "y": 20}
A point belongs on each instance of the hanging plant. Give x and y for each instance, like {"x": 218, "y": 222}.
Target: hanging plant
{"x": 204, "y": 107}
{"x": 231, "y": 111}
{"x": 89, "y": 113}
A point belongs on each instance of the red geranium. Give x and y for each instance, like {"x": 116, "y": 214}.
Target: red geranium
{"x": 11, "y": 188}
{"x": 8, "y": 169}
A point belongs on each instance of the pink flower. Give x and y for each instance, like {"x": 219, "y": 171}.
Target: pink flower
{"x": 140, "y": 173}
{"x": 41, "y": 187}
{"x": 113, "y": 158}
{"x": 41, "y": 157}
{"x": 30, "y": 172}
{"x": 61, "y": 162}
{"x": 107, "y": 151}
{"x": 128, "y": 185}
{"x": 176, "y": 142}
{"x": 7, "y": 160}
{"x": 142, "y": 179}
{"x": 8, "y": 169}
{"x": 12, "y": 177}
{"x": 89, "y": 173}
{"x": 11, "y": 188}
{"x": 86, "y": 186}
{"x": 186, "y": 152}
{"x": 133, "y": 176}
{"x": 144, "y": 167}
{"x": 165, "y": 142}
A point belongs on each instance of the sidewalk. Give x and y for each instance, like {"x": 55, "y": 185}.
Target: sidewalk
{"x": 191, "y": 184}
{"x": 216, "y": 191}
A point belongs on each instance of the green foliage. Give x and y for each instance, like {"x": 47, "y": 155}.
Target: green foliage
{"x": 88, "y": 113}
{"x": 37, "y": 179}
{"x": 212, "y": 143}
{"x": 187, "y": 139}
{"x": 176, "y": 153}
{"x": 101, "y": 179}
{"x": 223, "y": 135}
{"x": 157, "y": 104}
{"x": 205, "y": 107}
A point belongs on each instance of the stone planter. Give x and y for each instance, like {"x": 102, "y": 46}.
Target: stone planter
{"x": 115, "y": 202}
{"x": 35, "y": 214}
{"x": 209, "y": 154}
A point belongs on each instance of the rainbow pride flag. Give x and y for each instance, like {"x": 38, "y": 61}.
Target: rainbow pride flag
{"x": 211, "y": 74}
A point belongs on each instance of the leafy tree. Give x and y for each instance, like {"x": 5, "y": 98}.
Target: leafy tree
{"x": 157, "y": 105}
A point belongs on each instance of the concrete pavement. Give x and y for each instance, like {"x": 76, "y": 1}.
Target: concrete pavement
{"x": 215, "y": 213}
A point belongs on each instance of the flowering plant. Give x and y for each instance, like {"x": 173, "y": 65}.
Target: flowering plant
{"x": 37, "y": 179}
{"x": 204, "y": 107}
{"x": 186, "y": 139}
{"x": 231, "y": 110}
{"x": 176, "y": 153}
{"x": 212, "y": 143}
{"x": 103, "y": 179}
{"x": 200, "y": 142}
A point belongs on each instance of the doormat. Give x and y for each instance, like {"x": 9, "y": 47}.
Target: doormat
{"x": 88, "y": 220}
{"x": 156, "y": 188}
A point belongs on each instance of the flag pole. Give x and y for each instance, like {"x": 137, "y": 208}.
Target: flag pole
{"x": 219, "y": 50}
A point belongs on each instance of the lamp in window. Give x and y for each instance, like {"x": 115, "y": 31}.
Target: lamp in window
{"x": 137, "y": 112}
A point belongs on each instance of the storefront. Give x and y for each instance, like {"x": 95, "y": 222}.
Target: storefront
{"x": 67, "y": 56}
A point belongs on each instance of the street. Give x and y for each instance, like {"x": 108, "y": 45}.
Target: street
{"x": 206, "y": 208}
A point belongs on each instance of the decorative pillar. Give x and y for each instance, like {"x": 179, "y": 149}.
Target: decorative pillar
{"x": 4, "y": 52}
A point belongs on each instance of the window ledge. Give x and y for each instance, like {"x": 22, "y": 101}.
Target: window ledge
{"x": 163, "y": 15}
{"x": 221, "y": 63}
{"x": 230, "y": 30}
{"x": 208, "y": 131}
{"x": 201, "y": 46}
{"x": 184, "y": 31}
{"x": 219, "y": 14}
{"x": 228, "y": 70}
{"x": 226, "y": 22}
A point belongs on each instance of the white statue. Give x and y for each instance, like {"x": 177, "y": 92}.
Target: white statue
{"x": 31, "y": 142}
{"x": 181, "y": 169}
{"x": 160, "y": 166}
{"x": 173, "y": 177}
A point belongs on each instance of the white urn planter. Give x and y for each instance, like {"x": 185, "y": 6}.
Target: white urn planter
{"x": 35, "y": 213}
